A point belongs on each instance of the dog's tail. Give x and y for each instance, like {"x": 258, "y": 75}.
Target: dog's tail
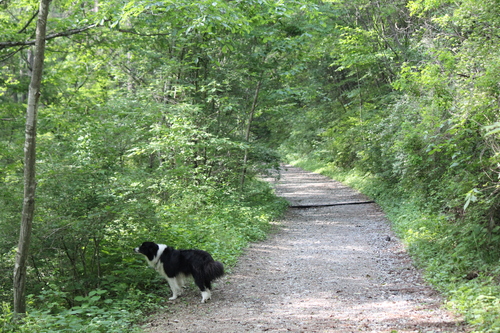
{"x": 214, "y": 270}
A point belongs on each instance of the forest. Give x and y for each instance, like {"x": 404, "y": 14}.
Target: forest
{"x": 161, "y": 118}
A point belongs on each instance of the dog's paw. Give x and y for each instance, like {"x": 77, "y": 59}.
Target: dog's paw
{"x": 205, "y": 296}
{"x": 173, "y": 297}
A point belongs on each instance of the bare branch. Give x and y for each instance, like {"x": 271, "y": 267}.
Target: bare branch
{"x": 10, "y": 54}
{"x": 4, "y": 45}
{"x": 29, "y": 22}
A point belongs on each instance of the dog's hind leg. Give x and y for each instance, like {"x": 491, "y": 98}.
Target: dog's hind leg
{"x": 206, "y": 295}
{"x": 205, "y": 292}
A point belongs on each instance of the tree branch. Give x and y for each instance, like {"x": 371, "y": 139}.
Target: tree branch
{"x": 4, "y": 45}
{"x": 29, "y": 22}
{"x": 130, "y": 31}
{"x": 10, "y": 54}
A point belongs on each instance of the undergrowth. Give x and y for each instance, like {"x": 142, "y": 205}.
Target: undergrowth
{"x": 460, "y": 258}
{"x": 127, "y": 290}
{"x": 97, "y": 312}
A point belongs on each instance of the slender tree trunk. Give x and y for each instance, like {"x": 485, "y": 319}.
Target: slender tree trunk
{"x": 29, "y": 163}
{"x": 247, "y": 131}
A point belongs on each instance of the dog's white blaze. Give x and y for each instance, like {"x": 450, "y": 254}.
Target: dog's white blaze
{"x": 155, "y": 263}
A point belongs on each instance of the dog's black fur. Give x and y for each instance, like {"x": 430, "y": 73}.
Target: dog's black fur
{"x": 174, "y": 265}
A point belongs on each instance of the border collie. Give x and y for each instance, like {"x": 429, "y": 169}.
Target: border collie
{"x": 174, "y": 265}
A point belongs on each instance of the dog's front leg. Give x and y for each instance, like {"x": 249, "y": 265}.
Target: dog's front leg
{"x": 174, "y": 287}
{"x": 181, "y": 280}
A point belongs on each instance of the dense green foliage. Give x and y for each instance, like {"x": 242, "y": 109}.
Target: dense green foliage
{"x": 142, "y": 136}
{"x": 157, "y": 117}
{"x": 406, "y": 100}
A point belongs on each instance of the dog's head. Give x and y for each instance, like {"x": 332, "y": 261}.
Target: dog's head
{"x": 149, "y": 249}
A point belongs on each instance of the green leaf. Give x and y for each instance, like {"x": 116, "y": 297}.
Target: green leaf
{"x": 493, "y": 129}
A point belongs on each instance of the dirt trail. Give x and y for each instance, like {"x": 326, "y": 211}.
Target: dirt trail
{"x": 325, "y": 269}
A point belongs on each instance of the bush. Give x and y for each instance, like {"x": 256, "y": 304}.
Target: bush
{"x": 94, "y": 313}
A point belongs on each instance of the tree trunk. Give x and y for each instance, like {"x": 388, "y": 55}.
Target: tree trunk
{"x": 29, "y": 163}
{"x": 247, "y": 132}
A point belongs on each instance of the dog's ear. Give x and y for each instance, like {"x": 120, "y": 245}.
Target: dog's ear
{"x": 149, "y": 247}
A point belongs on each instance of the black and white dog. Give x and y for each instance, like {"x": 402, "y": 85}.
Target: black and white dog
{"x": 175, "y": 265}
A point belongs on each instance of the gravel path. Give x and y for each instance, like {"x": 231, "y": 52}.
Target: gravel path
{"x": 325, "y": 269}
